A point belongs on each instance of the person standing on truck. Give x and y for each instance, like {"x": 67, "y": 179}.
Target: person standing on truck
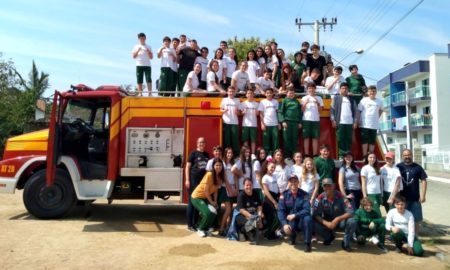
{"x": 290, "y": 116}
{"x": 203, "y": 60}
{"x": 312, "y": 106}
{"x": 142, "y": 53}
{"x": 249, "y": 110}
{"x": 186, "y": 59}
{"x": 356, "y": 83}
{"x": 167, "y": 56}
{"x": 229, "y": 107}
{"x": 268, "y": 108}
{"x": 315, "y": 60}
{"x": 194, "y": 172}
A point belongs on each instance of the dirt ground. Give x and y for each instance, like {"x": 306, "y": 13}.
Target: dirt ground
{"x": 133, "y": 235}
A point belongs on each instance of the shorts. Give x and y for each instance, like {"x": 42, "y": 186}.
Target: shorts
{"x": 311, "y": 129}
{"x": 415, "y": 207}
{"x": 223, "y": 196}
{"x": 141, "y": 71}
{"x": 368, "y": 135}
{"x": 249, "y": 134}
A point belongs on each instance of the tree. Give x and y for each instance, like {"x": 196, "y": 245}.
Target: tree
{"x": 245, "y": 44}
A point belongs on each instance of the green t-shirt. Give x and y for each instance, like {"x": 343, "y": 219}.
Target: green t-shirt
{"x": 355, "y": 84}
{"x": 290, "y": 110}
{"x": 325, "y": 168}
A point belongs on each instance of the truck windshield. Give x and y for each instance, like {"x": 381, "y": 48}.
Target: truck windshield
{"x": 78, "y": 109}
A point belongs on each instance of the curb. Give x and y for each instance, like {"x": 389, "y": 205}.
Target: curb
{"x": 439, "y": 179}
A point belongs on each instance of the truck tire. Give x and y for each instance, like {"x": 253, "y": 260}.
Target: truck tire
{"x": 49, "y": 202}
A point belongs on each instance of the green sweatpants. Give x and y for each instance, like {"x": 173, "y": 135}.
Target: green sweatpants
{"x": 182, "y": 77}
{"x": 270, "y": 139}
{"x": 173, "y": 87}
{"x": 400, "y": 238}
{"x": 290, "y": 138}
{"x": 206, "y": 217}
{"x": 379, "y": 231}
{"x": 231, "y": 137}
{"x": 376, "y": 199}
{"x": 165, "y": 80}
{"x": 344, "y": 134}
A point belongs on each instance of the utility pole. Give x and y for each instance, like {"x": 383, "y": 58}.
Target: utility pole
{"x": 316, "y": 26}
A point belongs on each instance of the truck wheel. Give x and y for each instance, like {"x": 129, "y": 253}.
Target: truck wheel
{"x": 49, "y": 202}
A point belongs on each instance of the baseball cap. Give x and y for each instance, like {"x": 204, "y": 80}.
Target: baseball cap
{"x": 327, "y": 181}
{"x": 389, "y": 155}
{"x": 293, "y": 177}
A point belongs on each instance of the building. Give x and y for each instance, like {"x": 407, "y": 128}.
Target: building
{"x": 418, "y": 95}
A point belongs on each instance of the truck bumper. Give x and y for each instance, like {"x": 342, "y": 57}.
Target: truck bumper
{"x": 8, "y": 185}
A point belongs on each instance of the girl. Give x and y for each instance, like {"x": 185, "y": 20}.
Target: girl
{"x": 229, "y": 190}
{"x": 270, "y": 205}
{"x": 299, "y": 72}
{"x": 243, "y": 166}
{"x": 269, "y": 59}
{"x": 298, "y": 165}
{"x": 282, "y": 171}
{"x": 231, "y": 64}
{"x": 205, "y": 196}
{"x": 253, "y": 69}
{"x": 309, "y": 180}
{"x": 222, "y": 69}
{"x": 371, "y": 181}
{"x": 191, "y": 87}
{"x": 286, "y": 78}
{"x": 349, "y": 180}
{"x": 262, "y": 59}
{"x": 212, "y": 79}
{"x": 278, "y": 60}
{"x": 259, "y": 170}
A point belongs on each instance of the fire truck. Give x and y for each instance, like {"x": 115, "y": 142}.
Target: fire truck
{"x": 106, "y": 144}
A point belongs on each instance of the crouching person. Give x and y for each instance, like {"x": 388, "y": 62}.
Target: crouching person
{"x": 294, "y": 213}
{"x": 400, "y": 223}
{"x": 370, "y": 225}
{"x": 332, "y": 210}
{"x": 249, "y": 220}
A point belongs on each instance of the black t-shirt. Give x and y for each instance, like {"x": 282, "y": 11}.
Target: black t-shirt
{"x": 319, "y": 63}
{"x": 187, "y": 58}
{"x": 411, "y": 176}
{"x": 198, "y": 162}
{"x": 249, "y": 203}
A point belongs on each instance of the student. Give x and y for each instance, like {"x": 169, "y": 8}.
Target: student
{"x": 278, "y": 59}
{"x": 392, "y": 181}
{"x": 205, "y": 197}
{"x": 309, "y": 179}
{"x": 344, "y": 118}
{"x": 349, "y": 183}
{"x": 269, "y": 60}
{"x": 229, "y": 190}
{"x": 282, "y": 171}
{"x": 263, "y": 83}
{"x": 249, "y": 110}
{"x": 270, "y": 205}
{"x": 191, "y": 87}
{"x": 290, "y": 117}
{"x": 217, "y": 152}
{"x": 167, "y": 56}
{"x": 330, "y": 70}
{"x": 231, "y": 63}
{"x": 222, "y": 66}
{"x": 370, "y": 109}
{"x": 400, "y": 223}
{"x": 370, "y": 225}
{"x": 230, "y": 109}
{"x": 258, "y": 170}
{"x": 356, "y": 83}
{"x": 203, "y": 60}
{"x": 240, "y": 79}
{"x": 243, "y": 167}
{"x": 268, "y": 108}
{"x": 186, "y": 59}
{"x": 253, "y": 69}
{"x": 142, "y": 53}
{"x": 286, "y": 79}
{"x": 174, "y": 66}
{"x": 313, "y": 75}
{"x": 299, "y": 69}
{"x": 294, "y": 213}
{"x": 312, "y": 106}
{"x": 298, "y": 165}
{"x": 324, "y": 165}
{"x": 262, "y": 59}
{"x": 333, "y": 83}
{"x": 315, "y": 60}
{"x": 212, "y": 80}
{"x": 371, "y": 181}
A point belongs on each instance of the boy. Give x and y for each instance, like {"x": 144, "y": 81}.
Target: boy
{"x": 240, "y": 79}
{"x": 268, "y": 108}
{"x": 343, "y": 116}
{"x": 333, "y": 83}
{"x": 229, "y": 108}
{"x": 290, "y": 117}
{"x": 392, "y": 181}
{"x": 400, "y": 222}
{"x": 324, "y": 165}
{"x": 312, "y": 105}
{"x": 167, "y": 56}
{"x": 264, "y": 82}
{"x": 249, "y": 109}
{"x": 315, "y": 73}
{"x": 143, "y": 54}
{"x": 369, "y": 224}
{"x": 370, "y": 108}
{"x": 356, "y": 83}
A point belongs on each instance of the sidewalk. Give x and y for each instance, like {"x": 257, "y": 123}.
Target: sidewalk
{"x": 443, "y": 177}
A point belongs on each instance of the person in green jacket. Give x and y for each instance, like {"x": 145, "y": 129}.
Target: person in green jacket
{"x": 324, "y": 165}
{"x": 370, "y": 225}
{"x": 356, "y": 83}
{"x": 290, "y": 116}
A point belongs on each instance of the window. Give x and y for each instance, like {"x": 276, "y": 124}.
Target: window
{"x": 389, "y": 140}
{"x": 426, "y": 110}
{"x": 427, "y": 139}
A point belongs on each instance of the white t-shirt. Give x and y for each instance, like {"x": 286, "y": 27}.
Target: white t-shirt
{"x": 231, "y": 66}
{"x": 404, "y": 222}
{"x": 232, "y": 105}
{"x": 204, "y": 62}
{"x": 222, "y": 66}
{"x": 346, "y": 112}
{"x": 256, "y": 168}
{"x": 270, "y": 62}
{"x": 265, "y": 84}
{"x": 389, "y": 176}
{"x": 252, "y": 70}
{"x": 209, "y": 78}
{"x": 228, "y": 174}
{"x": 271, "y": 183}
{"x": 270, "y": 109}
{"x": 308, "y": 184}
{"x": 335, "y": 89}
{"x": 373, "y": 181}
{"x": 168, "y": 57}
{"x": 241, "y": 79}
{"x": 282, "y": 174}
{"x": 194, "y": 81}
{"x": 261, "y": 61}
{"x": 297, "y": 170}
{"x": 142, "y": 59}
{"x": 251, "y": 108}
{"x": 311, "y": 112}
{"x": 307, "y": 80}
{"x": 248, "y": 174}
{"x": 370, "y": 112}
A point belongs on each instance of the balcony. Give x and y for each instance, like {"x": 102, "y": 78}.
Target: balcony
{"x": 419, "y": 93}
{"x": 399, "y": 124}
{"x": 386, "y": 125}
{"x": 399, "y": 99}
{"x": 421, "y": 121}
{"x": 387, "y": 103}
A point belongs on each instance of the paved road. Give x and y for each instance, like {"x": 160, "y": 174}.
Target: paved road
{"x": 436, "y": 209}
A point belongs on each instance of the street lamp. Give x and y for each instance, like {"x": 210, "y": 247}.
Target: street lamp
{"x": 358, "y": 51}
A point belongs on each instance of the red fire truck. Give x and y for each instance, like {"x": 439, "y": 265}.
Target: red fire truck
{"x": 104, "y": 144}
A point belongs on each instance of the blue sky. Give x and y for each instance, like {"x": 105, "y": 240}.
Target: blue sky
{"x": 90, "y": 42}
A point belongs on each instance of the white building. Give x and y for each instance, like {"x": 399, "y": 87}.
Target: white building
{"x": 423, "y": 88}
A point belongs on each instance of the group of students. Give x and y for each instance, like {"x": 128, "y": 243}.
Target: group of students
{"x": 277, "y": 197}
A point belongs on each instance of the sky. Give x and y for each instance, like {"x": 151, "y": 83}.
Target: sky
{"x": 90, "y": 42}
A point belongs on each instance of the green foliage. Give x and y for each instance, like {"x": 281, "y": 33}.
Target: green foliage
{"x": 242, "y": 46}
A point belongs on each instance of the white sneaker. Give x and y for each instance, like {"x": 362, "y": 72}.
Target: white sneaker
{"x": 201, "y": 233}
{"x": 374, "y": 240}
{"x": 209, "y": 231}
